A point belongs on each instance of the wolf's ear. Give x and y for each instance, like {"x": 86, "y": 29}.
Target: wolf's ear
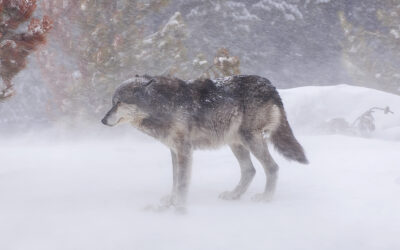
{"x": 148, "y": 89}
{"x": 149, "y": 82}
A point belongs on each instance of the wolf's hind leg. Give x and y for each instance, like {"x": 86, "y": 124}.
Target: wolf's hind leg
{"x": 259, "y": 149}
{"x": 183, "y": 174}
{"x": 247, "y": 171}
{"x": 174, "y": 171}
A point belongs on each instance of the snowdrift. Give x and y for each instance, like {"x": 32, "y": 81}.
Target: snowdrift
{"x": 310, "y": 107}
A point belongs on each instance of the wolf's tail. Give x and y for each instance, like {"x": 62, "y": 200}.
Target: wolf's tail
{"x": 285, "y": 142}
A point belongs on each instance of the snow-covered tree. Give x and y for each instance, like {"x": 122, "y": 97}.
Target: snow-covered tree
{"x": 96, "y": 46}
{"x": 270, "y": 37}
{"x": 225, "y": 64}
{"x": 371, "y": 50}
{"x": 164, "y": 52}
{"x": 15, "y": 46}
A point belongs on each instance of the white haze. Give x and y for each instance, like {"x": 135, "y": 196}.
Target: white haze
{"x": 67, "y": 182}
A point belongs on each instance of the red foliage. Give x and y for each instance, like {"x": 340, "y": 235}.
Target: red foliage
{"x": 15, "y": 47}
{"x": 18, "y": 12}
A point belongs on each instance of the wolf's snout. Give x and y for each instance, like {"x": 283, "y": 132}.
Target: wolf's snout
{"x": 104, "y": 121}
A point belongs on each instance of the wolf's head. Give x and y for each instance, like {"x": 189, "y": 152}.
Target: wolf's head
{"x": 129, "y": 103}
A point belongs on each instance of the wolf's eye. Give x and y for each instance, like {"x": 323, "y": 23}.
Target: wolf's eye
{"x": 115, "y": 102}
{"x": 137, "y": 95}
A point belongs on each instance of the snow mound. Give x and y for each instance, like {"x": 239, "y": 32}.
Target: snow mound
{"x": 308, "y": 108}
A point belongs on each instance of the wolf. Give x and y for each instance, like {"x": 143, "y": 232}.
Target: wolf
{"x": 241, "y": 111}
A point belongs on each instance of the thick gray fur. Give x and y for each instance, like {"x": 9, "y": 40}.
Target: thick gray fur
{"x": 240, "y": 111}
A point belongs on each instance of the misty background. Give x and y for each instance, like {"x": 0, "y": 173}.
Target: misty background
{"x": 95, "y": 45}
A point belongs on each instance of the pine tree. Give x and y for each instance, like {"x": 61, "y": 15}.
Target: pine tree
{"x": 372, "y": 54}
{"x": 225, "y": 64}
{"x": 104, "y": 43}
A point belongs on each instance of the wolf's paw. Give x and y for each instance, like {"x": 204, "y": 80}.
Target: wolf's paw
{"x": 165, "y": 203}
{"x": 262, "y": 197}
{"x": 168, "y": 200}
{"x": 229, "y": 195}
{"x": 168, "y": 203}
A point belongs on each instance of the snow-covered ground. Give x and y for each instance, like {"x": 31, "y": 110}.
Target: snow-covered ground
{"x": 89, "y": 192}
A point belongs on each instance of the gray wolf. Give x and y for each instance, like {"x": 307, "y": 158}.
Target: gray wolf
{"x": 241, "y": 111}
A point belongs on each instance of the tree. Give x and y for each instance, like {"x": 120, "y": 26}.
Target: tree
{"x": 164, "y": 51}
{"x": 274, "y": 38}
{"x": 223, "y": 65}
{"x": 15, "y": 47}
{"x": 226, "y": 64}
{"x": 371, "y": 51}
{"x": 102, "y": 43}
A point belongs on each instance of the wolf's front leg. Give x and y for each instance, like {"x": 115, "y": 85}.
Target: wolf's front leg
{"x": 181, "y": 171}
{"x": 170, "y": 199}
